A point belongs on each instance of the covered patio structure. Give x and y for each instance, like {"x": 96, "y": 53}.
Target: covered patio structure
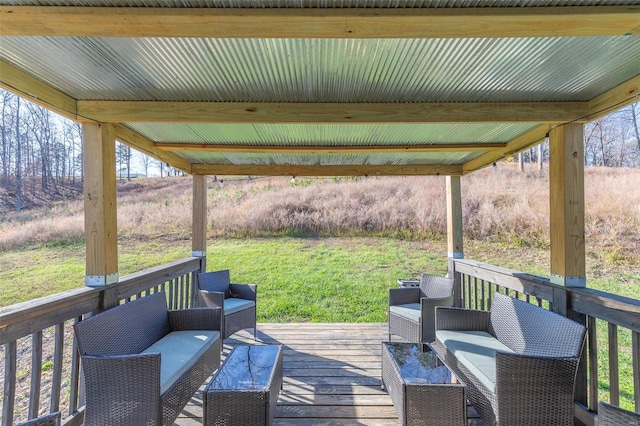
{"x": 325, "y": 88}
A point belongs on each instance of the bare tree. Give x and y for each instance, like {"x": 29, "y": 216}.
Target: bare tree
{"x": 146, "y": 162}
{"x": 634, "y": 109}
{"x": 18, "y": 161}
{"x": 6, "y": 133}
{"x": 73, "y": 141}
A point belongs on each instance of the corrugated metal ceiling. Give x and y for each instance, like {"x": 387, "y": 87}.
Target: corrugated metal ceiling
{"x": 397, "y": 159}
{"x": 266, "y": 70}
{"x": 329, "y": 134}
{"x": 328, "y": 70}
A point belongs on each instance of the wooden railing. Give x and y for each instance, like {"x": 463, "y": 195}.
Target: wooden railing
{"x": 37, "y": 339}
{"x": 612, "y": 319}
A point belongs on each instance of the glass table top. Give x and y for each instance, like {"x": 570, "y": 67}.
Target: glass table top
{"x": 248, "y": 367}
{"x": 418, "y": 363}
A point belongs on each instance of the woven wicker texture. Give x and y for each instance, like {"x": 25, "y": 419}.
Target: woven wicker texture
{"x": 239, "y": 405}
{"x": 137, "y": 325}
{"x": 52, "y": 419}
{"x": 123, "y": 387}
{"x": 611, "y": 415}
{"x": 433, "y": 291}
{"x": 213, "y": 281}
{"x": 532, "y": 388}
{"x": 442, "y": 404}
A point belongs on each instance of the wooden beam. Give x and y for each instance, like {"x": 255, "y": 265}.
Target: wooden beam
{"x": 514, "y": 146}
{"x": 566, "y": 194}
{"x": 614, "y": 99}
{"x": 328, "y": 149}
{"x": 574, "y": 21}
{"x": 144, "y": 145}
{"x": 327, "y": 170}
{"x": 24, "y": 85}
{"x": 100, "y": 215}
{"x": 199, "y": 217}
{"x": 331, "y": 113}
{"x": 454, "y": 218}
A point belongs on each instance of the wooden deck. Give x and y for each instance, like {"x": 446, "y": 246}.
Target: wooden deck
{"x": 331, "y": 375}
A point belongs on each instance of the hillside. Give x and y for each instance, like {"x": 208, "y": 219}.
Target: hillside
{"x": 498, "y": 205}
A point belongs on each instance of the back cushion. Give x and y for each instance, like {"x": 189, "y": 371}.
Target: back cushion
{"x": 435, "y": 287}
{"x": 215, "y": 281}
{"x": 126, "y": 329}
{"x": 530, "y": 330}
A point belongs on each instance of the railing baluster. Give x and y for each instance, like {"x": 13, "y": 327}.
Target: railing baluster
{"x": 194, "y": 299}
{"x": 183, "y": 289}
{"x": 10, "y": 365}
{"x": 593, "y": 364}
{"x": 475, "y": 293}
{"x": 614, "y": 380}
{"x": 483, "y": 295}
{"x": 75, "y": 378}
{"x": 36, "y": 374}
{"x": 171, "y": 289}
{"x": 58, "y": 355}
{"x": 635, "y": 360}
{"x": 463, "y": 289}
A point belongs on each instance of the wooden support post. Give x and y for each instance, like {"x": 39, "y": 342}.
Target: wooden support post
{"x": 100, "y": 215}
{"x": 566, "y": 193}
{"x": 454, "y": 218}
{"x": 454, "y": 233}
{"x": 566, "y": 179}
{"x": 199, "y": 217}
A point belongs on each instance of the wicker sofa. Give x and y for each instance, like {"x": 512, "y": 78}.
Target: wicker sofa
{"x": 238, "y": 301}
{"x": 519, "y": 361}
{"x": 142, "y": 363}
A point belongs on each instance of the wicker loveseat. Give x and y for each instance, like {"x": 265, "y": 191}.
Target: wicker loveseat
{"x": 238, "y": 301}
{"x": 142, "y": 363}
{"x": 519, "y": 361}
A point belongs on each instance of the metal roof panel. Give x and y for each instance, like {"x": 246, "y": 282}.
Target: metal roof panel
{"x": 328, "y": 70}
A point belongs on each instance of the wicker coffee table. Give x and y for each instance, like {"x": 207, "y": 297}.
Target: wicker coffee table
{"x": 421, "y": 386}
{"x": 244, "y": 390}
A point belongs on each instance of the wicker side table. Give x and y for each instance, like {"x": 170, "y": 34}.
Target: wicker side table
{"x": 244, "y": 390}
{"x": 421, "y": 386}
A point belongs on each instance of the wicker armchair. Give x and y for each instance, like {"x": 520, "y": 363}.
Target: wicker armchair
{"x": 412, "y": 310}
{"x": 611, "y": 415}
{"x": 238, "y": 301}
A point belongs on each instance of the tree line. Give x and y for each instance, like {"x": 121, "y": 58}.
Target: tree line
{"x": 41, "y": 152}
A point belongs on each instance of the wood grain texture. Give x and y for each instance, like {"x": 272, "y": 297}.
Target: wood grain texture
{"x": 22, "y": 84}
{"x": 199, "y": 215}
{"x": 454, "y": 217}
{"x": 100, "y": 205}
{"x": 327, "y": 149}
{"x": 328, "y": 170}
{"x": 567, "y": 202}
{"x": 332, "y": 374}
{"x": 331, "y": 113}
{"x": 145, "y": 146}
{"x": 577, "y": 21}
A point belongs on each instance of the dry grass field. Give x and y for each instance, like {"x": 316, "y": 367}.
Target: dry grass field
{"x": 499, "y": 205}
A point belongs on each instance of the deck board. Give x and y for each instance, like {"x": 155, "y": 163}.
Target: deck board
{"x": 331, "y": 375}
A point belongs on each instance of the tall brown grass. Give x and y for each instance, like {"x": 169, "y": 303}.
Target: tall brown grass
{"x": 500, "y": 204}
